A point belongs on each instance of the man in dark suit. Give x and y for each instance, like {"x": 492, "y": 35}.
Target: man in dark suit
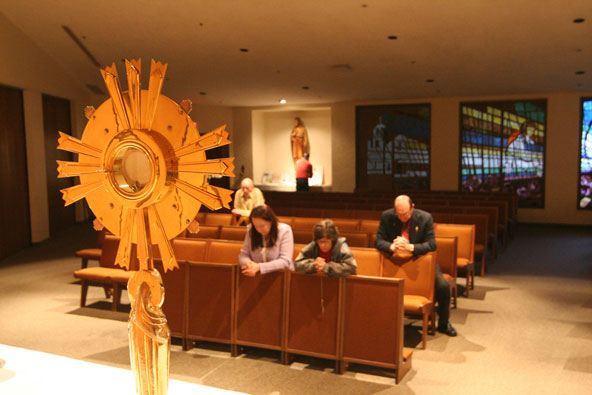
{"x": 405, "y": 228}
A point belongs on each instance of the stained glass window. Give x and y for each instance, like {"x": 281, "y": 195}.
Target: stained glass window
{"x": 585, "y": 180}
{"x": 393, "y": 147}
{"x": 503, "y": 148}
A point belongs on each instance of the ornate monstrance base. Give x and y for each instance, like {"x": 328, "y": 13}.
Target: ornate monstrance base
{"x": 149, "y": 335}
{"x": 143, "y": 171}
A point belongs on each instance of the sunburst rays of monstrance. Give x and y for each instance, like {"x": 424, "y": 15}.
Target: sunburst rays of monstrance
{"x": 143, "y": 171}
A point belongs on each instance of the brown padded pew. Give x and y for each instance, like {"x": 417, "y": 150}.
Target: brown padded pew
{"x": 313, "y": 316}
{"x": 419, "y": 274}
{"x": 211, "y": 287}
{"x": 370, "y": 338}
{"x": 107, "y": 274}
{"x": 260, "y": 311}
{"x": 447, "y": 261}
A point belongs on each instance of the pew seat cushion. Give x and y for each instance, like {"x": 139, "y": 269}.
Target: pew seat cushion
{"x": 103, "y": 274}
{"x": 414, "y": 304}
{"x": 463, "y": 263}
{"x": 89, "y": 253}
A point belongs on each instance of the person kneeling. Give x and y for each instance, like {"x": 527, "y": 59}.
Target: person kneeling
{"x": 328, "y": 253}
{"x": 268, "y": 245}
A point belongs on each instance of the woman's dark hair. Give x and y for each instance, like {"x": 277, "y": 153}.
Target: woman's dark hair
{"x": 263, "y": 212}
{"x": 325, "y": 228}
{"x": 297, "y": 119}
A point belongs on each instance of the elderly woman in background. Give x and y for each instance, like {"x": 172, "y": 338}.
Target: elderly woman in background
{"x": 328, "y": 253}
{"x": 269, "y": 244}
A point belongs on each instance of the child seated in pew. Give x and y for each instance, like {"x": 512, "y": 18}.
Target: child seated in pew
{"x": 328, "y": 253}
{"x": 268, "y": 245}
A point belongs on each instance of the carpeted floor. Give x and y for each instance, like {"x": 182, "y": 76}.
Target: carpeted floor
{"x": 526, "y": 328}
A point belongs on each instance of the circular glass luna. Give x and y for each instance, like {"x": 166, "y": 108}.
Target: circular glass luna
{"x": 132, "y": 169}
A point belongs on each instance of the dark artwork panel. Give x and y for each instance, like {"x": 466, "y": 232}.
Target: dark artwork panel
{"x": 585, "y": 176}
{"x": 393, "y": 147}
{"x": 502, "y": 147}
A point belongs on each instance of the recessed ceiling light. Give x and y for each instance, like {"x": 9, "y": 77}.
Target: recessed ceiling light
{"x": 203, "y": 93}
{"x": 392, "y": 37}
{"x": 578, "y": 20}
{"x": 580, "y": 72}
{"x": 283, "y": 101}
{"x": 305, "y": 87}
{"x": 244, "y": 50}
{"x": 430, "y": 80}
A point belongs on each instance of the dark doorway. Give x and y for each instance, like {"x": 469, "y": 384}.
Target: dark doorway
{"x": 56, "y": 117}
{"x": 15, "y": 225}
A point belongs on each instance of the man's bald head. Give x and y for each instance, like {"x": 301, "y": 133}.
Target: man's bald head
{"x": 404, "y": 207}
{"x": 247, "y": 185}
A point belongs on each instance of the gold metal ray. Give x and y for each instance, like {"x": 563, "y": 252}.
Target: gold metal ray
{"x": 124, "y": 250}
{"x": 223, "y": 167}
{"x": 158, "y": 236}
{"x": 77, "y": 192}
{"x": 133, "y": 69}
{"x": 157, "y": 73}
{"x": 73, "y": 169}
{"x": 211, "y": 196}
{"x": 114, "y": 87}
{"x": 215, "y": 138}
{"x": 144, "y": 249}
{"x": 72, "y": 144}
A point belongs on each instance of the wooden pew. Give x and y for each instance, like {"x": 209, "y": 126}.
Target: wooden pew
{"x": 355, "y": 239}
{"x": 465, "y": 248}
{"x": 369, "y": 261}
{"x": 92, "y": 254}
{"x": 372, "y": 324}
{"x": 107, "y": 274}
{"x": 481, "y": 234}
{"x": 218, "y": 219}
{"x": 419, "y": 274}
{"x": 260, "y": 313}
{"x": 175, "y": 283}
{"x": 233, "y": 232}
{"x": 211, "y": 289}
{"x": 446, "y": 257}
{"x": 313, "y": 316}
{"x": 205, "y": 232}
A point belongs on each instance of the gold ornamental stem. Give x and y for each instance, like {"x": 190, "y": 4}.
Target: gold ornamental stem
{"x": 149, "y": 335}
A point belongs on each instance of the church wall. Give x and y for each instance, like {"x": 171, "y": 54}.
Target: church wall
{"x": 28, "y": 67}
{"x": 271, "y": 135}
{"x": 561, "y": 161}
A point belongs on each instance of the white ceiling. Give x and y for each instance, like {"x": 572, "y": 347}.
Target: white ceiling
{"x": 468, "y": 47}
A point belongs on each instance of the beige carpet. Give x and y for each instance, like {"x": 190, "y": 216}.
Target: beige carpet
{"x": 526, "y": 328}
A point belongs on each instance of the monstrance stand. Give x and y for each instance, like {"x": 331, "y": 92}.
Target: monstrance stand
{"x": 143, "y": 171}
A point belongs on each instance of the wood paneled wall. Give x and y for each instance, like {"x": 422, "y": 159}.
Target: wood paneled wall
{"x": 15, "y": 228}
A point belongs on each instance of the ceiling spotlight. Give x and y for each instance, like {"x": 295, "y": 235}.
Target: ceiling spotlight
{"x": 283, "y": 101}
{"x": 580, "y": 72}
{"x": 578, "y": 20}
{"x": 392, "y": 37}
{"x": 244, "y": 50}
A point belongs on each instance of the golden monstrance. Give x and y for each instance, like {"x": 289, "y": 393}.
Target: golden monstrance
{"x": 143, "y": 171}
